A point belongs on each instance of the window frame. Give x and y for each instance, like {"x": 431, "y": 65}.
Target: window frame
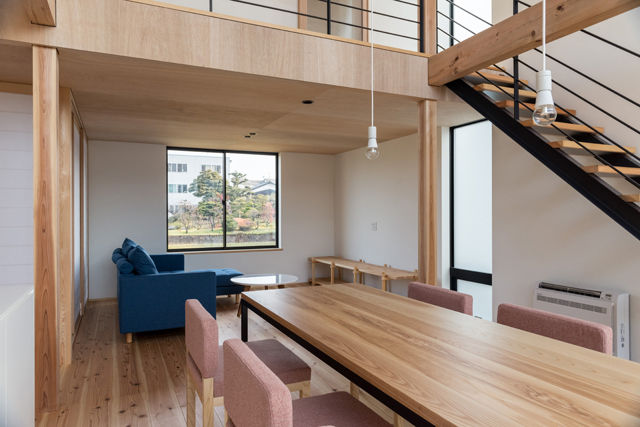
{"x": 224, "y": 247}
{"x": 456, "y": 274}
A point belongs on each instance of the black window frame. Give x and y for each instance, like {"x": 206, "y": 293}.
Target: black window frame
{"x": 224, "y": 246}
{"x": 456, "y": 274}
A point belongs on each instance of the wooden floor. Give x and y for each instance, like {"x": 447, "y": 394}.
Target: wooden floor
{"x": 111, "y": 383}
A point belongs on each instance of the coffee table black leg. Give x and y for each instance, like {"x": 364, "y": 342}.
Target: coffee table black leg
{"x": 244, "y": 321}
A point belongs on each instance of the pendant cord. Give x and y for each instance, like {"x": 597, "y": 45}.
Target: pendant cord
{"x": 544, "y": 34}
{"x": 371, "y": 41}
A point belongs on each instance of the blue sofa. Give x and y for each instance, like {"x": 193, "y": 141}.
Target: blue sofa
{"x": 148, "y": 302}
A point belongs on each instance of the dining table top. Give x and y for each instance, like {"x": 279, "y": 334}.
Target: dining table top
{"x": 453, "y": 369}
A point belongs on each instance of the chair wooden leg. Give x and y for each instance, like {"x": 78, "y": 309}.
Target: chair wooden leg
{"x": 226, "y": 417}
{"x": 129, "y": 337}
{"x": 237, "y": 298}
{"x": 355, "y": 391}
{"x": 398, "y": 421}
{"x": 191, "y": 402}
{"x": 207, "y": 402}
{"x": 305, "y": 391}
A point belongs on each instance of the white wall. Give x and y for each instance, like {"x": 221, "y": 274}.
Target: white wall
{"x": 16, "y": 261}
{"x": 384, "y": 192}
{"x": 543, "y": 230}
{"x": 127, "y": 194}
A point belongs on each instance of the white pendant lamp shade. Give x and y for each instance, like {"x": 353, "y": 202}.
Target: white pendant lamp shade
{"x": 545, "y": 112}
{"x": 372, "y": 145}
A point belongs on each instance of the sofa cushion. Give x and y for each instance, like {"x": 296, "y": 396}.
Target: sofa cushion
{"x": 142, "y": 262}
{"x": 127, "y": 246}
{"x": 124, "y": 266}
{"x": 116, "y": 255}
{"x": 223, "y": 275}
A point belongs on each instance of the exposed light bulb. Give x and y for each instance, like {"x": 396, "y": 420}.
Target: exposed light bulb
{"x": 545, "y": 112}
{"x": 372, "y": 152}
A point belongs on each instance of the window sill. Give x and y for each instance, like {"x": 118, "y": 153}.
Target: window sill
{"x": 228, "y": 251}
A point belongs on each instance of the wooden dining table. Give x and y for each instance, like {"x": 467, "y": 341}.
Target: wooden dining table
{"x": 434, "y": 366}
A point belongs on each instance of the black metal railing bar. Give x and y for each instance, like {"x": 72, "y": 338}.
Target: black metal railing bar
{"x": 602, "y": 39}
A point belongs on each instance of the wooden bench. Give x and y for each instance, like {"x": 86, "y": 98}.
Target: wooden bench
{"x": 358, "y": 269}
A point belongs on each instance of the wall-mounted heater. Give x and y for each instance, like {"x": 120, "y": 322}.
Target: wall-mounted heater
{"x": 605, "y": 306}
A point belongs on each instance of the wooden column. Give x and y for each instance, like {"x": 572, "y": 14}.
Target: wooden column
{"x": 41, "y": 12}
{"x": 428, "y": 193}
{"x": 45, "y": 162}
{"x": 430, "y": 27}
{"x": 365, "y": 20}
{"x": 65, "y": 228}
{"x": 302, "y": 20}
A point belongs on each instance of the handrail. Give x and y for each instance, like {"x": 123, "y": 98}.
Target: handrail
{"x": 329, "y": 20}
{"x": 517, "y": 103}
{"x": 629, "y": 51}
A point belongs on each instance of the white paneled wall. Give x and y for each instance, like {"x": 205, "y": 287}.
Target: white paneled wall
{"x": 16, "y": 261}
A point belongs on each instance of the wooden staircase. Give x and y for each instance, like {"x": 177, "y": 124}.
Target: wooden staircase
{"x": 567, "y": 137}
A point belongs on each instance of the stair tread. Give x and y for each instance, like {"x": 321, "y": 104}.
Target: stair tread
{"x": 510, "y": 103}
{"x": 509, "y": 90}
{"x": 497, "y": 78}
{"x": 633, "y": 198}
{"x": 565, "y": 126}
{"x": 492, "y": 68}
{"x": 608, "y": 170}
{"x": 593, "y": 146}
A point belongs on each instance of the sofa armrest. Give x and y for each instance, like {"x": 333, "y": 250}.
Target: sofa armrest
{"x": 168, "y": 262}
{"x": 156, "y": 301}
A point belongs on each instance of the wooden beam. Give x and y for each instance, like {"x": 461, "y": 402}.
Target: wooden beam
{"x": 45, "y": 163}
{"x": 42, "y": 12}
{"x": 521, "y": 33}
{"x": 429, "y": 28}
{"x": 65, "y": 228}
{"x": 428, "y": 193}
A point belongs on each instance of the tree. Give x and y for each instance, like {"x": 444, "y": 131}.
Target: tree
{"x": 187, "y": 216}
{"x": 267, "y": 214}
{"x": 208, "y": 185}
{"x": 235, "y": 186}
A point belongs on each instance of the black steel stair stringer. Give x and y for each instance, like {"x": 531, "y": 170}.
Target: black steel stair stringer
{"x": 594, "y": 189}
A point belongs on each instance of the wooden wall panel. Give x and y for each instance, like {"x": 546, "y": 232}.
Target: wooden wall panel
{"x": 45, "y": 162}
{"x": 65, "y": 229}
{"x": 428, "y": 188}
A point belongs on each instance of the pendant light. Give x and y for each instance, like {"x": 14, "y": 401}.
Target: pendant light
{"x": 545, "y": 112}
{"x": 372, "y": 152}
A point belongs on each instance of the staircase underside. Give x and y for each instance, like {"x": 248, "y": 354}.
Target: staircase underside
{"x": 584, "y": 181}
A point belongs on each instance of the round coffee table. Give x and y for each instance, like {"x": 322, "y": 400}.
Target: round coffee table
{"x": 264, "y": 281}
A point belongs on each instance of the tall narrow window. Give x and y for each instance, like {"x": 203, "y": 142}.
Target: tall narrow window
{"x": 222, "y": 200}
{"x": 471, "y": 214}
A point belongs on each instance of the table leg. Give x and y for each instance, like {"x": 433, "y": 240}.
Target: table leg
{"x": 244, "y": 289}
{"x": 244, "y": 321}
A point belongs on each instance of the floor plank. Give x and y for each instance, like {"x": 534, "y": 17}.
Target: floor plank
{"x": 111, "y": 383}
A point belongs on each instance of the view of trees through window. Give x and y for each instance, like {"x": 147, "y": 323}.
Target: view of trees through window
{"x": 230, "y": 202}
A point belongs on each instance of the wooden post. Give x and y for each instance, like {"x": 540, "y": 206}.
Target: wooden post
{"x": 430, "y": 26}
{"x": 45, "y": 163}
{"x": 428, "y": 193}
{"x": 333, "y": 272}
{"x": 385, "y": 282}
{"x": 302, "y": 20}
{"x": 65, "y": 239}
{"x": 313, "y": 271}
{"x": 365, "y": 20}
{"x": 356, "y": 274}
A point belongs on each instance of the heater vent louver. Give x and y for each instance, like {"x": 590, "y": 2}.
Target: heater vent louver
{"x": 574, "y": 304}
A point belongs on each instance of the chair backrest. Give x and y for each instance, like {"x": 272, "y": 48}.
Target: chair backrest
{"x": 253, "y": 395}
{"x": 445, "y": 298}
{"x": 564, "y": 328}
{"x": 201, "y": 336}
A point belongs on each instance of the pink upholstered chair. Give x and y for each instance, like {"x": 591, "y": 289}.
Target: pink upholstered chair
{"x": 255, "y": 397}
{"x": 205, "y": 367}
{"x": 445, "y": 298}
{"x": 564, "y": 328}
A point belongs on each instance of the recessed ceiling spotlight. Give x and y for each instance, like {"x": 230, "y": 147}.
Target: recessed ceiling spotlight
{"x": 252, "y": 133}
{"x": 247, "y": 136}
{"x": 307, "y": 101}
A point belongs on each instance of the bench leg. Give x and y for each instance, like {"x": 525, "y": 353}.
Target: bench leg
{"x": 129, "y": 337}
